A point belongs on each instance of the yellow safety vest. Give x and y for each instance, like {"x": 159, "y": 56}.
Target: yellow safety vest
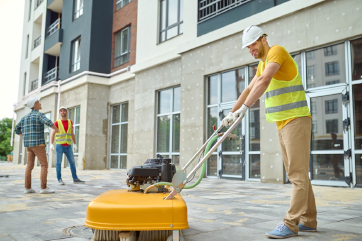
{"x": 63, "y": 137}
{"x": 285, "y": 99}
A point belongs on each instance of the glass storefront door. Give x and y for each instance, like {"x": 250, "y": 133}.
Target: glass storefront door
{"x": 330, "y": 137}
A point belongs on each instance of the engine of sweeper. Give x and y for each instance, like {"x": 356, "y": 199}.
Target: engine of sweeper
{"x": 151, "y": 172}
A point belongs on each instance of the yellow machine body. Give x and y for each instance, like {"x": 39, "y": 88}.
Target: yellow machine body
{"x": 125, "y": 210}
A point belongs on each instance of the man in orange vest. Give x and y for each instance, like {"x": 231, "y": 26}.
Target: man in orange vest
{"x": 285, "y": 104}
{"x": 63, "y": 141}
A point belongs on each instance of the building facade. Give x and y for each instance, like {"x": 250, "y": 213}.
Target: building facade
{"x": 154, "y": 76}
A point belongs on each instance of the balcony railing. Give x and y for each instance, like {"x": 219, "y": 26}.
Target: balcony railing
{"x": 51, "y": 75}
{"x": 53, "y": 27}
{"x": 211, "y": 8}
{"x": 34, "y": 85}
{"x": 37, "y": 3}
{"x": 37, "y": 42}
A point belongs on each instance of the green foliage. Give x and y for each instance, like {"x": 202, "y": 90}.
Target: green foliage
{"x": 5, "y": 136}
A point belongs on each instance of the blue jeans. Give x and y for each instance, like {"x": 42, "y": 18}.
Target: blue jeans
{"x": 67, "y": 150}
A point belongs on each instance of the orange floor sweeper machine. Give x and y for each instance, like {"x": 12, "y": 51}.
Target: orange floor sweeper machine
{"x": 152, "y": 209}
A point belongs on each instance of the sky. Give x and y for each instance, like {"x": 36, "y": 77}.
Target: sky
{"x": 11, "y": 30}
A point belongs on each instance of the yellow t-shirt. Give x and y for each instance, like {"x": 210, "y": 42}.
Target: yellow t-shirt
{"x": 286, "y": 72}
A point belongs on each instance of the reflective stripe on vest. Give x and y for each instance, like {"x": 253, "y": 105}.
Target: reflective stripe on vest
{"x": 63, "y": 137}
{"x": 285, "y": 99}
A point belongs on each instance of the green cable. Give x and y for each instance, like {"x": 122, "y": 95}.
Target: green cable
{"x": 203, "y": 165}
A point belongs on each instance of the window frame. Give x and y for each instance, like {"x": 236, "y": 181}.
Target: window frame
{"x": 168, "y": 27}
{"x": 77, "y": 12}
{"x": 170, "y": 153}
{"x": 75, "y": 124}
{"x": 75, "y": 52}
{"x": 128, "y": 52}
{"x": 121, "y": 123}
{"x": 121, "y": 3}
{"x": 334, "y": 70}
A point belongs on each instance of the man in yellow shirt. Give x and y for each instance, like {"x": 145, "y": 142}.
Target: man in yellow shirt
{"x": 285, "y": 104}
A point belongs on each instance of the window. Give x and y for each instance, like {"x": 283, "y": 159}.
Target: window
{"x": 326, "y": 68}
{"x": 119, "y": 131}
{"x": 121, "y": 3}
{"x": 171, "y": 21}
{"x": 333, "y": 82}
{"x": 356, "y": 51}
{"x": 331, "y": 50}
{"x": 313, "y": 107}
{"x": 331, "y": 106}
{"x": 122, "y": 47}
{"x": 168, "y": 124}
{"x": 74, "y": 116}
{"x": 30, "y": 3}
{"x": 75, "y": 55}
{"x": 78, "y": 9}
{"x": 34, "y": 85}
{"x": 332, "y": 68}
{"x": 27, "y": 47}
{"x": 24, "y": 84}
{"x": 332, "y": 126}
{"x": 314, "y": 126}
{"x": 310, "y": 55}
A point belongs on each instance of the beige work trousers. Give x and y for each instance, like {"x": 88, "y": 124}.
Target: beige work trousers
{"x": 294, "y": 139}
{"x": 38, "y": 151}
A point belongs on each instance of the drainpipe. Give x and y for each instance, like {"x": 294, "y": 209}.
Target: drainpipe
{"x": 12, "y": 128}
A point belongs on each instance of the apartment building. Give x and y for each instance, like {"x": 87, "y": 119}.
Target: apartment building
{"x": 187, "y": 73}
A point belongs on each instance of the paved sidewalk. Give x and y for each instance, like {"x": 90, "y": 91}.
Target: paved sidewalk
{"x": 217, "y": 209}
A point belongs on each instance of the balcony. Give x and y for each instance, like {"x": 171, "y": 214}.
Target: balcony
{"x": 51, "y": 75}
{"x": 37, "y": 3}
{"x": 37, "y": 42}
{"x": 34, "y": 85}
{"x": 54, "y": 39}
{"x": 55, "y": 5}
{"x": 53, "y": 27}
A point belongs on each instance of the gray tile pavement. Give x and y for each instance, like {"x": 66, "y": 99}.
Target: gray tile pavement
{"x": 218, "y": 209}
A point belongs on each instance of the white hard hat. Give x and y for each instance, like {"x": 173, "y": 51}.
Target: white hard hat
{"x": 63, "y": 107}
{"x": 31, "y": 102}
{"x": 251, "y": 34}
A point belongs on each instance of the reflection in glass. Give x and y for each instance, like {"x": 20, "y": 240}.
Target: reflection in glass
{"x": 172, "y": 11}
{"x": 164, "y": 101}
{"x": 356, "y": 49}
{"x": 359, "y": 169}
{"x": 232, "y": 84}
{"x": 231, "y": 165}
{"x": 324, "y": 66}
{"x": 125, "y": 112}
{"x": 163, "y": 134}
{"x": 254, "y": 166}
{"x": 212, "y": 90}
{"x": 235, "y": 143}
{"x": 76, "y": 134}
{"x": 114, "y": 161}
{"x": 77, "y": 118}
{"x": 115, "y": 114}
{"x": 357, "y": 105}
{"x": 115, "y": 139}
{"x": 176, "y": 160}
{"x": 252, "y": 71}
{"x": 212, "y": 166}
{"x": 123, "y": 162}
{"x": 124, "y": 130}
{"x": 328, "y": 122}
{"x": 212, "y": 116}
{"x": 297, "y": 58}
{"x": 254, "y": 126}
{"x": 176, "y": 133}
{"x": 328, "y": 167}
{"x": 176, "y": 99}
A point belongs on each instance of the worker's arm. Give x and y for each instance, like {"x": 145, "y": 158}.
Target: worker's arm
{"x": 73, "y": 137}
{"x": 262, "y": 83}
{"x": 244, "y": 94}
{"x": 52, "y": 137}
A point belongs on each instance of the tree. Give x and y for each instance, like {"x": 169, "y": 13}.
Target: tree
{"x": 5, "y": 136}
